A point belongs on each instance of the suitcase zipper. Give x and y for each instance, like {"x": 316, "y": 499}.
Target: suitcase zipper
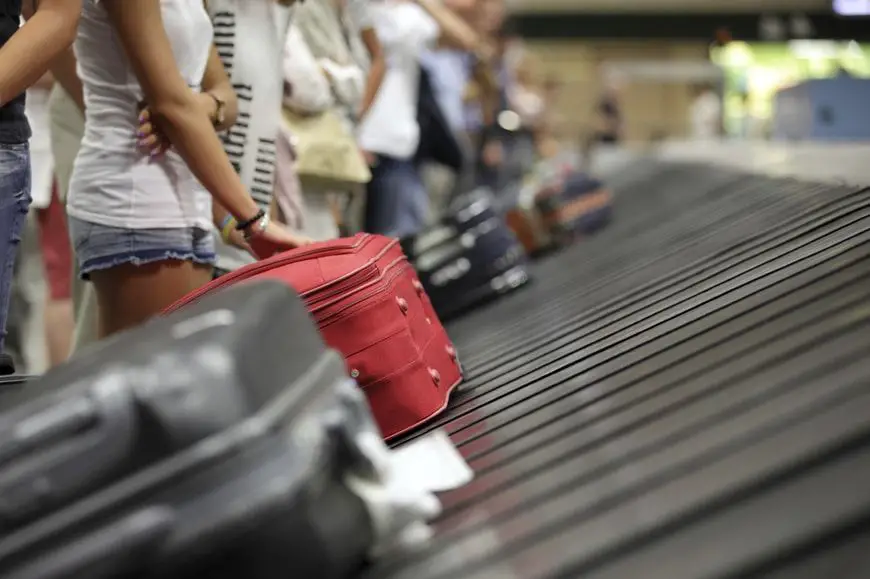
{"x": 291, "y": 256}
{"x": 398, "y": 269}
{"x": 365, "y": 275}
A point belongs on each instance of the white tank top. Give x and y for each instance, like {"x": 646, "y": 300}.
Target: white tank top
{"x": 113, "y": 182}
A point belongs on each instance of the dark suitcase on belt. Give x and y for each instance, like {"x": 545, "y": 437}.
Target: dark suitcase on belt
{"x": 209, "y": 443}
{"x": 12, "y": 384}
{"x": 12, "y": 390}
{"x": 469, "y": 258}
{"x": 578, "y": 205}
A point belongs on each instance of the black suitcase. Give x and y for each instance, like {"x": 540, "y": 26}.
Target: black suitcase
{"x": 11, "y": 388}
{"x": 13, "y": 382}
{"x": 470, "y": 257}
{"x": 211, "y": 443}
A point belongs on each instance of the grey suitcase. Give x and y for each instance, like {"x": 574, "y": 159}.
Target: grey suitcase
{"x": 210, "y": 443}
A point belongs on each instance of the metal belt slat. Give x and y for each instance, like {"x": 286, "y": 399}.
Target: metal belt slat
{"x": 683, "y": 274}
{"x": 732, "y": 234}
{"x": 685, "y": 396}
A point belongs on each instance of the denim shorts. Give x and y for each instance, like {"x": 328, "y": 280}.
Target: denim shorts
{"x": 100, "y": 247}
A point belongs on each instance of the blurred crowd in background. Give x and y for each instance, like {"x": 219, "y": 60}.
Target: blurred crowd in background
{"x": 429, "y": 100}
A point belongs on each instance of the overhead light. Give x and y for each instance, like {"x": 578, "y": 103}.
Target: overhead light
{"x": 509, "y": 121}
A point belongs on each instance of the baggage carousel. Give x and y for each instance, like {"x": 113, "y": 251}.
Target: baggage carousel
{"x": 684, "y": 396}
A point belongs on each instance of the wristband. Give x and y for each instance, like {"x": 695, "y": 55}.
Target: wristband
{"x": 242, "y": 225}
{"x": 258, "y": 227}
{"x": 228, "y": 224}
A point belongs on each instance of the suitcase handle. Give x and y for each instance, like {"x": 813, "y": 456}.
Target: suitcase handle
{"x": 50, "y": 448}
{"x": 120, "y": 549}
{"x": 473, "y": 209}
{"x": 448, "y": 251}
{"x": 42, "y": 429}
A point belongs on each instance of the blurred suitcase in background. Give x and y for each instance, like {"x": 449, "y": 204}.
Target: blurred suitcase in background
{"x": 555, "y": 207}
{"x": 209, "y": 443}
{"x": 579, "y": 205}
{"x": 469, "y": 258}
{"x": 526, "y": 224}
{"x": 371, "y": 307}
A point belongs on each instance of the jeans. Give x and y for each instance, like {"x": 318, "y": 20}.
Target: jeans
{"x": 14, "y": 203}
{"x": 396, "y": 200}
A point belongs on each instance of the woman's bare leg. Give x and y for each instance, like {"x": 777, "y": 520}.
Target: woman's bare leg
{"x": 129, "y": 295}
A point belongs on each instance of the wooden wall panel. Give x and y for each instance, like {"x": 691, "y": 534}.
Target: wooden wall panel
{"x": 648, "y": 107}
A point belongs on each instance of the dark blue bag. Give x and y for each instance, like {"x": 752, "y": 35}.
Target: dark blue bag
{"x": 579, "y": 205}
{"x": 469, "y": 258}
{"x": 437, "y": 143}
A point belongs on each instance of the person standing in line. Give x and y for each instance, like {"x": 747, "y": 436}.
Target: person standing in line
{"x": 67, "y": 127}
{"x": 359, "y": 23}
{"x": 309, "y": 92}
{"x": 486, "y": 95}
{"x": 249, "y": 36}
{"x": 608, "y": 111}
{"x": 449, "y": 74}
{"x": 705, "y": 114}
{"x": 141, "y": 221}
{"x": 54, "y": 243}
{"x": 360, "y": 31}
{"x": 26, "y": 52}
{"x": 397, "y": 201}
{"x": 67, "y": 107}
{"x": 334, "y": 61}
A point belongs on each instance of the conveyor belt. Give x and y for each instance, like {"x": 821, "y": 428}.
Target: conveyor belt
{"x": 685, "y": 396}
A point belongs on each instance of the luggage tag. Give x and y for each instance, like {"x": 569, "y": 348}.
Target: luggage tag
{"x": 397, "y": 486}
{"x": 403, "y": 502}
{"x": 431, "y": 462}
{"x": 412, "y": 462}
{"x": 398, "y": 511}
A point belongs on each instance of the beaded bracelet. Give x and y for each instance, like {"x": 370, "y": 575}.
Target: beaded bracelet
{"x": 228, "y": 224}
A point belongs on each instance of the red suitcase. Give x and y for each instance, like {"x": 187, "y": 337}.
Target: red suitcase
{"x": 370, "y": 306}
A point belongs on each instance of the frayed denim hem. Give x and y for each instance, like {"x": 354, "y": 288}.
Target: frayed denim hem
{"x": 141, "y": 258}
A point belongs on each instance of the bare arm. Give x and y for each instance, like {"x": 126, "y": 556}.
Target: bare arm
{"x": 489, "y": 94}
{"x": 50, "y": 29}
{"x": 455, "y": 32}
{"x": 174, "y": 106}
{"x": 45, "y": 82}
{"x": 216, "y": 82}
{"x": 64, "y": 70}
{"x": 462, "y": 7}
{"x": 377, "y": 70}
